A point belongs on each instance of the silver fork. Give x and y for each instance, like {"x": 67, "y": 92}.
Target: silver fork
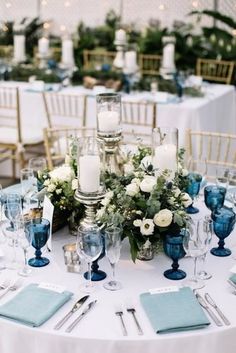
{"x": 12, "y": 287}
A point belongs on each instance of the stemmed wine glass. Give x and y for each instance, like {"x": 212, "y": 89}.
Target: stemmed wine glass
{"x": 38, "y": 165}
{"x": 25, "y": 241}
{"x": 89, "y": 247}
{"x": 193, "y": 188}
{"x": 28, "y": 185}
{"x": 199, "y": 166}
{"x": 195, "y": 244}
{"x": 173, "y": 247}
{"x": 223, "y": 224}
{"x": 112, "y": 248}
{"x": 214, "y": 197}
{"x": 208, "y": 228}
{"x": 39, "y": 230}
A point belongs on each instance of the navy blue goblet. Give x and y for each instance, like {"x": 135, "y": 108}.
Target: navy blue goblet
{"x": 214, "y": 197}
{"x": 223, "y": 224}
{"x": 193, "y": 188}
{"x": 173, "y": 247}
{"x": 38, "y": 229}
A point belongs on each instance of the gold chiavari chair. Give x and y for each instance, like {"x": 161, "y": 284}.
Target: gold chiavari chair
{"x": 65, "y": 110}
{"x": 215, "y": 70}
{"x": 94, "y": 59}
{"x": 217, "y": 149}
{"x": 58, "y": 141}
{"x": 138, "y": 121}
{"x": 16, "y": 140}
{"x": 150, "y": 64}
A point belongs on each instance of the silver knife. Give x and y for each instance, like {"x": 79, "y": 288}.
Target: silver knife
{"x": 213, "y": 304}
{"x": 210, "y": 312}
{"x": 77, "y": 320}
{"x": 76, "y": 306}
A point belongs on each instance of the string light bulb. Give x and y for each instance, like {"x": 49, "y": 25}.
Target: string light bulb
{"x": 195, "y": 4}
{"x": 162, "y": 7}
{"x": 46, "y": 25}
{"x": 67, "y": 3}
{"x": 62, "y": 28}
{"x": 8, "y": 4}
{"x": 44, "y": 2}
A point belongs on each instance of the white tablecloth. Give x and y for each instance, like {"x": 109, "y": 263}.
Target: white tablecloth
{"x": 100, "y": 331}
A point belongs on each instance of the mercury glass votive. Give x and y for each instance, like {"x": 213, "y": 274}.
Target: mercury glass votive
{"x": 165, "y": 150}
{"x": 71, "y": 258}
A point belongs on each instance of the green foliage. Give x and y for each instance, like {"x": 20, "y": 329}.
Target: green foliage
{"x": 23, "y": 73}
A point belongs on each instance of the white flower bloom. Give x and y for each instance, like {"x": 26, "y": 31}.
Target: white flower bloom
{"x": 147, "y": 227}
{"x": 171, "y": 201}
{"x": 132, "y": 189}
{"x": 100, "y": 213}
{"x": 107, "y": 198}
{"x": 187, "y": 201}
{"x": 74, "y": 184}
{"x": 147, "y": 244}
{"x": 148, "y": 183}
{"x": 47, "y": 182}
{"x": 163, "y": 218}
{"x": 183, "y": 171}
{"x": 51, "y": 188}
{"x": 58, "y": 191}
{"x": 128, "y": 168}
{"x": 62, "y": 174}
{"x": 137, "y": 222}
{"x": 176, "y": 191}
{"x": 136, "y": 181}
{"x": 145, "y": 162}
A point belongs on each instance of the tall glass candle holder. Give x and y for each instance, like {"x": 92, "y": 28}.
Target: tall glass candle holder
{"x": 165, "y": 150}
{"x": 109, "y": 128}
{"x": 91, "y": 189}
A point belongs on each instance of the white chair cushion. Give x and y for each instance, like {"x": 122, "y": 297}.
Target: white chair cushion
{"x": 29, "y": 135}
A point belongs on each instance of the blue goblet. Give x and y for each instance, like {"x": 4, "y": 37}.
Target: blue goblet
{"x": 38, "y": 229}
{"x": 214, "y": 197}
{"x": 193, "y": 188}
{"x": 173, "y": 247}
{"x": 223, "y": 224}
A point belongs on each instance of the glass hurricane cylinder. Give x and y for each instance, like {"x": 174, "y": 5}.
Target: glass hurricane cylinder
{"x": 165, "y": 150}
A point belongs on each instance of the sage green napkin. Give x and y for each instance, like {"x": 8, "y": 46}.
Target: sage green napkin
{"x": 233, "y": 278}
{"x": 174, "y": 311}
{"x": 34, "y": 305}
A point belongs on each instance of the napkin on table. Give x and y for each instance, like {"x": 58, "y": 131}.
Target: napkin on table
{"x": 174, "y": 311}
{"x": 34, "y": 305}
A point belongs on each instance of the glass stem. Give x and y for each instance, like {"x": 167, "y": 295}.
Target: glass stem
{"x": 25, "y": 257}
{"x": 89, "y": 275}
{"x": 195, "y": 267}
{"x": 113, "y": 271}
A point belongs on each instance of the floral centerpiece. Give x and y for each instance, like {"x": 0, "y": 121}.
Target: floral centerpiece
{"x": 147, "y": 205}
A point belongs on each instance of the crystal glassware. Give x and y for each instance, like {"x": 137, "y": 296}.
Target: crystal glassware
{"x": 28, "y": 185}
{"x": 193, "y": 188}
{"x": 223, "y": 224}
{"x": 38, "y": 165}
{"x": 173, "y": 247}
{"x": 214, "y": 197}
{"x": 89, "y": 247}
{"x": 195, "y": 244}
{"x": 199, "y": 166}
{"x": 208, "y": 228}
{"x": 112, "y": 248}
{"x": 24, "y": 240}
{"x": 108, "y": 114}
{"x": 39, "y": 230}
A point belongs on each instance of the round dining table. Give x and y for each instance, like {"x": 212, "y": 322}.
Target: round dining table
{"x": 100, "y": 330}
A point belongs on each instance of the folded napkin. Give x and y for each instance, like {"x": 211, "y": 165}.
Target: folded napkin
{"x": 174, "y": 311}
{"x": 233, "y": 278}
{"x": 34, "y": 305}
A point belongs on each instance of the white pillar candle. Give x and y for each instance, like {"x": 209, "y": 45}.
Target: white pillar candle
{"x": 43, "y": 46}
{"x": 131, "y": 60}
{"x": 19, "y": 48}
{"x": 120, "y": 36}
{"x": 67, "y": 52}
{"x": 169, "y": 56}
{"x": 108, "y": 121}
{"x": 89, "y": 173}
{"x": 165, "y": 158}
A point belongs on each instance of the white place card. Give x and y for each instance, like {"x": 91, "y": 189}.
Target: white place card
{"x": 160, "y": 290}
{"x": 51, "y": 286}
{"x": 48, "y": 210}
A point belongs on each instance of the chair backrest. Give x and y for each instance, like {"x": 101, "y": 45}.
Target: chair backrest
{"x": 149, "y": 64}
{"x": 94, "y": 59}
{"x": 218, "y": 149}
{"x": 138, "y": 121}
{"x": 10, "y": 110}
{"x": 64, "y": 110}
{"x": 58, "y": 141}
{"x": 215, "y": 70}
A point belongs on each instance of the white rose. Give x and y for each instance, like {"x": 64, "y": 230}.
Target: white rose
{"x": 107, "y": 198}
{"x": 128, "y": 168}
{"x": 74, "y": 184}
{"x": 145, "y": 162}
{"x": 176, "y": 191}
{"x": 137, "y": 222}
{"x": 63, "y": 173}
{"x": 171, "y": 201}
{"x": 136, "y": 181}
{"x": 51, "y": 187}
{"x": 147, "y": 184}
{"x": 132, "y": 189}
{"x": 163, "y": 218}
{"x": 187, "y": 201}
{"x": 147, "y": 227}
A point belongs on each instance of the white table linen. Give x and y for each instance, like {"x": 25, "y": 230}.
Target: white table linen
{"x": 100, "y": 332}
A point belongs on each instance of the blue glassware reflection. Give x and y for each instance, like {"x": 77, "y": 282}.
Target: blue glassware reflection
{"x": 38, "y": 229}
{"x": 223, "y": 224}
{"x": 214, "y": 197}
{"x": 193, "y": 188}
{"x": 173, "y": 247}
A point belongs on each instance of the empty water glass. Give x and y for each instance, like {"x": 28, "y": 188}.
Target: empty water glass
{"x": 24, "y": 240}
{"x": 28, "y": 185}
